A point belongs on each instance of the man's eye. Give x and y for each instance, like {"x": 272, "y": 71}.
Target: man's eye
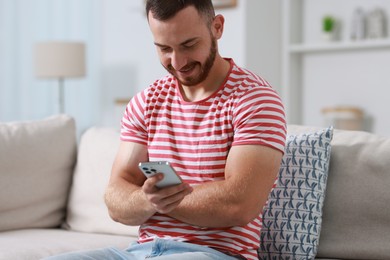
{"x": 165, "y": 49}
{"x": 190, "y": 46}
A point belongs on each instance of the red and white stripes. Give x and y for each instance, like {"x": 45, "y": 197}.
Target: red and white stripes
{"x": 195, "y": 137}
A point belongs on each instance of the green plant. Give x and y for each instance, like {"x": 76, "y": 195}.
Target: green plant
{"x": 328, "y": 23}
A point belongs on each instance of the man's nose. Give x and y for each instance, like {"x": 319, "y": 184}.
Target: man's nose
{"x": 178, "y": 60}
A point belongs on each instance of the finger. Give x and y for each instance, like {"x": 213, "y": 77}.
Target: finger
{"x": 149, "y": 185}
{"x": 167, "y": 204}
{"x": 172, "y": 190}
{"x": 157, "y": 196}
{"x": 168, "y": 208}
{"x": 175, "y": 197}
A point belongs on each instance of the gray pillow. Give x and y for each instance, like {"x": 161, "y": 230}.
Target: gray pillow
{"x": 36, "y": 163}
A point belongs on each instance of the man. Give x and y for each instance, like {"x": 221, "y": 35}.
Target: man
{"x": 220, "y": 126}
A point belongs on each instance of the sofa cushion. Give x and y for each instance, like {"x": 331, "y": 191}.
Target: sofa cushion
{"x": 33, "y": 244}
{"x": 356, "y": 222}
{"x": 36, "y": 166}
{"x": 292, "y": 218}
{"x": 86, "y": 208}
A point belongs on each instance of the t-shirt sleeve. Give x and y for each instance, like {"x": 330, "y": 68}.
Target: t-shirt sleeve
{"x": 259, "y": 118}
{"x": 133, "y": 124}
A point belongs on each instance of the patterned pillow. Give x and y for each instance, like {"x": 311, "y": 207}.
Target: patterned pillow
{"x": 293, "y": 216}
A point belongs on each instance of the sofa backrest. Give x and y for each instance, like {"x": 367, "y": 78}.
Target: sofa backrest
{"x": 86, "y": 208}
{"x": 356, "y": 213}
{"x": 36, "y": 168}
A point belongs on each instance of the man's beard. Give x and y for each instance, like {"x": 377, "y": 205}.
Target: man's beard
{"x": 204, "y": 68}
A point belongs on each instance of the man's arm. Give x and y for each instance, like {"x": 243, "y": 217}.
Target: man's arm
{"x": 125, "y": 196}
{"x": 123, "y": 192}
{"x": 250, "y": 173}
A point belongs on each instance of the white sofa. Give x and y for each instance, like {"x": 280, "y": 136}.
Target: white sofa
{"x": 51, "y": 192}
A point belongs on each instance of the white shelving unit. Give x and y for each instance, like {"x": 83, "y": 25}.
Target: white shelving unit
{"x": 339, "y": 46}
{"x": 297, "y": 47}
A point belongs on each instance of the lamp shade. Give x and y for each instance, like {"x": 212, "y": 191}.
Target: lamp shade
{"x": 59, "y": 59}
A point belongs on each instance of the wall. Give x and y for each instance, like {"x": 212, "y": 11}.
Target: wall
{"x": 129, "y": 61}
{"x": 263, "y": 39}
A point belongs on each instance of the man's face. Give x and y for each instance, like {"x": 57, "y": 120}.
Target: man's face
{"x": 185, "y": 45}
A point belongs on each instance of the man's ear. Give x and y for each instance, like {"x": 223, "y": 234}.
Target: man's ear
{"x": 217, "y": 26}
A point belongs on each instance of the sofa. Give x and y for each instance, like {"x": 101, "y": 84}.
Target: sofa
{"x": 52, "y": 184}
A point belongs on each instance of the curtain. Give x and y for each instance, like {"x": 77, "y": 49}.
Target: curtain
{"x": 26, "y": 22}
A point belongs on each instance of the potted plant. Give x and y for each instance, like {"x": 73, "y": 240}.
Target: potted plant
{"x": 328, "y": 27}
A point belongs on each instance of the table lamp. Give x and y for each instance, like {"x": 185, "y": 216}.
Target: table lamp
{"x": 59, "y": 60}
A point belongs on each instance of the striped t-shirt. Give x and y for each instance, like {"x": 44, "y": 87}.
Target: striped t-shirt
{"x": 195, "y": 137}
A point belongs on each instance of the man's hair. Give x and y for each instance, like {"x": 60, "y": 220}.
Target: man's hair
{"x": 164, "y": 9}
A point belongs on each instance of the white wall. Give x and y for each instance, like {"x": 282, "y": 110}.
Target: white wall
{"x": 263, "y": 39}
{"x": 129, "y": 61}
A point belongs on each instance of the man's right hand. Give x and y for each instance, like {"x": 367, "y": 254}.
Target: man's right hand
{"x": 132, "y": 199}
{"x": 166, "y": 199}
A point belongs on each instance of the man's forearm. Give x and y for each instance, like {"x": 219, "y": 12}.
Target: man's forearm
{"x": 240, "y": 197}
{"x": 214, "y": 205}
{"x": 127, "y": 204}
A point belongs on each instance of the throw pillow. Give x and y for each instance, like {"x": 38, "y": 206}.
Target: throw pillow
{"x": 36, "y": 166}
{"x": 292, "y": 218}
{"x": 87, "y": 211}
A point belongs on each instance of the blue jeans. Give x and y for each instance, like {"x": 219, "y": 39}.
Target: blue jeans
{"x": 159, "y": 249}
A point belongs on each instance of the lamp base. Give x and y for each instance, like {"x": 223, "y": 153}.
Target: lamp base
{"x": 61, "y": 93}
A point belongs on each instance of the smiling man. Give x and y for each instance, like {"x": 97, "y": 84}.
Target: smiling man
{"x": 220, "y": 126}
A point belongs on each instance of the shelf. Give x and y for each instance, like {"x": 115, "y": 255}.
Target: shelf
{"x": 339, "y": 46}
{"x": 317, "y": 73}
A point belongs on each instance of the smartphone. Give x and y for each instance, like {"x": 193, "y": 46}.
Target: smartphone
{"x": 150, "y": 169}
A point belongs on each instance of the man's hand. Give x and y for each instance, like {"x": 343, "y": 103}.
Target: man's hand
{"x": 166, "y": 199}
